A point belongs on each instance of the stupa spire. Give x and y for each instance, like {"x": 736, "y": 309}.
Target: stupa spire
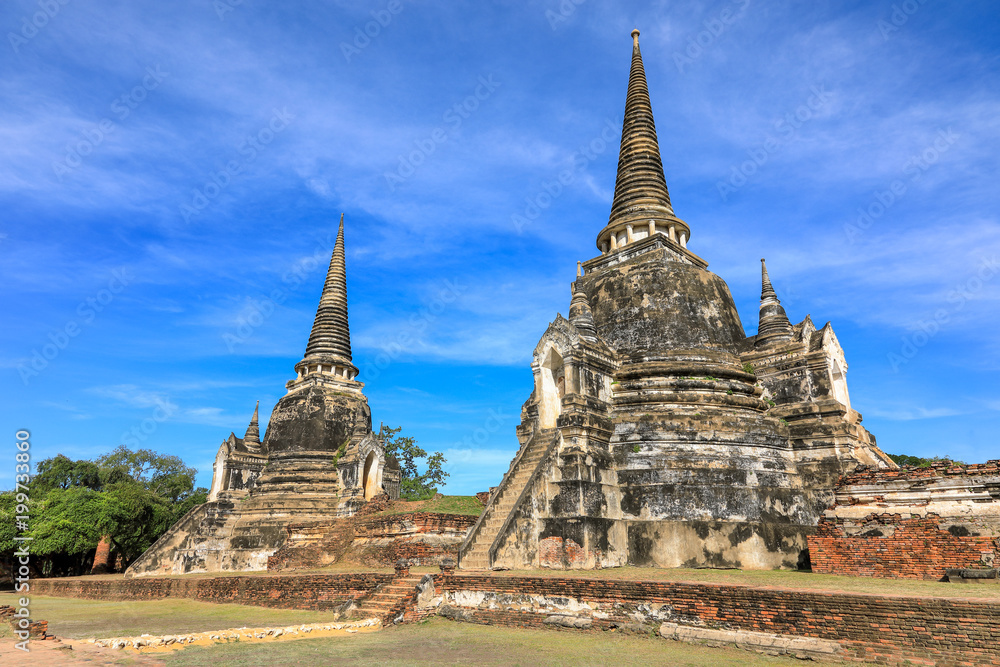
{"x": 331, "y": 334}
{"x": 329, "y": 347}
{"x": 641, "y": 205}
{"x": 774, "y": 324}
{"x": 252, "y": 438}
{"x": 766, "y": 289}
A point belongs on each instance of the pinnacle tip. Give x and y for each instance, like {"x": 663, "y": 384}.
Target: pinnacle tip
{"x": 635, "y": 36}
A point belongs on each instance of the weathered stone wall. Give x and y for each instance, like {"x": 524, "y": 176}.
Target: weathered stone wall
{"x": 422, "y": 538}
{"x": 318, "y": 592}
{"x": 659, "y": 302}
{"x": 911, "y": 523}
{"x": 867, "y": 627}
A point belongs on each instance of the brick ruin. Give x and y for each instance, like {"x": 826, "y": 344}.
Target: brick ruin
{"x": 911, "y": 523}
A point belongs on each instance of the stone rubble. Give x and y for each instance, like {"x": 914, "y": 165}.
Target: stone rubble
{"x": 235, "y": 634}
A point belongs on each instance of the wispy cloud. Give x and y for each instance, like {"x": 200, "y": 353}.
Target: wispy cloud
{"x": 915, "y": 413}
{"x": 163, "y": 339}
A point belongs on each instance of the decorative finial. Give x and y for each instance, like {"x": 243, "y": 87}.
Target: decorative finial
{"x": 635, "y": 37}
{"x": 579, "y": 269}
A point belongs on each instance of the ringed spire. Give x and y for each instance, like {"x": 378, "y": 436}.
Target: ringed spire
{"x": 773, "y": 323}
{"x": 329, "y": 346}
{"x": 251, "y": 440}
{"x": 641, "y": 205}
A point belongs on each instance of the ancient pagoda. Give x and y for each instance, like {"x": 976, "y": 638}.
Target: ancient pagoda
{"x": 319, "y": 458}
{"x": 658, "y": 433}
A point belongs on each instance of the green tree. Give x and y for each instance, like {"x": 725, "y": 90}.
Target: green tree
{"x": 414, "y": 485}
{"x": 129, "y": 497}
{"x": 61, "y": 472}
{"x": 162, "y": 474}
{"x": 921, "y": 462}
{"x": 64, "y": 527}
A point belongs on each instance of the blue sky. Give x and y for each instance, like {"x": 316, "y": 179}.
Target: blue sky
{"x": 173, "y": 173}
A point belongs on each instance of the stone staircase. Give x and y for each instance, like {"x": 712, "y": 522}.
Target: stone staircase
{"x": 475, "y": 550}
{"x": 390, "y": 600}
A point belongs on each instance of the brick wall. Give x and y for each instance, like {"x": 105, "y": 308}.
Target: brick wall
{"x": 866, "y": 475}
{"x": 288, "y": 592}
{"x": 911, "y": 522}
{"x": 869, "y": 628}
{"x": 914, "y": 548}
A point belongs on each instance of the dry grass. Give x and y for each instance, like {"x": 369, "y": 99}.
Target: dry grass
{"x": 440, "y": 642}
{"x": 432, "y": 642}
{"x": 78, "y": 619}
{"x": 780, "y": 579}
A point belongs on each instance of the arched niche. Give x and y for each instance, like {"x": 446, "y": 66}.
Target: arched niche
{"x": 553, "y": 387}
{"x": 839, "y": 384}
{"x": 219, "y": 477}
{"x": 369, "y": 479}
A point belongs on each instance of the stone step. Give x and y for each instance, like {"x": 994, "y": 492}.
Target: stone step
{"x": 401, "y": 587}
{"x": 381, "y": 597}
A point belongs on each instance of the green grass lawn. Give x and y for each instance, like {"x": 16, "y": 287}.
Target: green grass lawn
{"x": 468, "y": 505}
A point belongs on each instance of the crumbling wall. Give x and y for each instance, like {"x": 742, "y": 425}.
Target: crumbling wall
{"x": 423, "y": 538}
{"x": 319, "y": 591}
{"x": 867, "y": 627}
{"x": 911, "y": 523}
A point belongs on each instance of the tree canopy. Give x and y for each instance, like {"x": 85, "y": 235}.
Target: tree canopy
{"x": 129, "y": 497}
{"x": 414, "y": 485}
{"x": 919, "y": 461}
